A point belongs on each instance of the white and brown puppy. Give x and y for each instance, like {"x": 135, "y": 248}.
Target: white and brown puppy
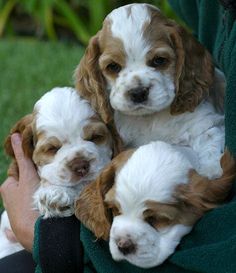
{"x": 147, "y": 199}
{"x": 152, "y": 78}
{"x": 69, "y": 145}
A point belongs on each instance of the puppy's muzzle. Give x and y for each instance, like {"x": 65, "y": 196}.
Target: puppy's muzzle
{"x": 138, "y": 94}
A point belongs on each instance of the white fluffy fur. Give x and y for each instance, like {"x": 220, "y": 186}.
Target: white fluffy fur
{"x": 7, "y": 247}
{"x": 140, "y": 123}
{"x": 61, "y": 113}
{"x": 151, "y": 173}
{"x": 202, "y": 130}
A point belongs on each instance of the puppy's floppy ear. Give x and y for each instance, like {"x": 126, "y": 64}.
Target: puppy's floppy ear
{"x": 90, "y": 207}
{"x": 194, "y": 71}
{"x": 203, "y": 194}
{"x": 118, "y": 145}
{"x": 24, "y": 127}
{"x": 91, "y": 85}
{"x": 90, "y": 82}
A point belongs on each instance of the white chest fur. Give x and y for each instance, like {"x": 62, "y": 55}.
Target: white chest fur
{"x": 202, "y": 130}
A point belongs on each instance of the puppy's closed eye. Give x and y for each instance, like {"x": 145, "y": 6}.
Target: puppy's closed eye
{"x": 96, "y": 132}
{"x": 45, "y": 151}
{"x": 51, "y": 149}
{"x": 157, "y": 220}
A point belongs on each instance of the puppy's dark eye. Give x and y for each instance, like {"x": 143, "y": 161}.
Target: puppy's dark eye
{"x": 113, "y": 67}
{"x": 158, "y": 62}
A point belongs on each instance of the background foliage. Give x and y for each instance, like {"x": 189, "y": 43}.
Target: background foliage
{"x": 60, "y": 19}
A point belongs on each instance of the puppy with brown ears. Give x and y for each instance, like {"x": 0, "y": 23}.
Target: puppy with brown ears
{"x": 151, "y": 78}
{"x": 69, "y": 145}
{"x": 147, "y": 199}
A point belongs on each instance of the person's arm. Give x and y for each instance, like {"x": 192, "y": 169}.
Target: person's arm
{"x": 17, "y": 196}
{"x": 57, "y": 247}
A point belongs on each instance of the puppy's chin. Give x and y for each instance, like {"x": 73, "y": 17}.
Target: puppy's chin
{"x": 150, "y": 107}
{"x": 140, "y": 110}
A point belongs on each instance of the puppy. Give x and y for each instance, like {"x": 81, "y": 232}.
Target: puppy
{"x": 151, "y": 78}
{"x": 69, "y": 145}
{"x": 147, "y": 199}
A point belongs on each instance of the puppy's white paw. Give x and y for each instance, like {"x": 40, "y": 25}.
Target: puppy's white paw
{"x": 212, "y": 171}
{"x": 53, "y": 201}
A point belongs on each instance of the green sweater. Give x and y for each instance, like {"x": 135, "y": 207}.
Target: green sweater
{"x": 211, "y": 246}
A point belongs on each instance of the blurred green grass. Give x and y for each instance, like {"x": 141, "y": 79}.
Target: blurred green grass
{"x": 29, "y": 68}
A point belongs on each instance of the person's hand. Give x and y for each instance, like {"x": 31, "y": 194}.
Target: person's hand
{"x": 17, "y": 196}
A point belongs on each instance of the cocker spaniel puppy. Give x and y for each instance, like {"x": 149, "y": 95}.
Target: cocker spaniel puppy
{"x": 147, "y": 199}
{"x": 151, "y": 78}
{"x": 69, "y": 145}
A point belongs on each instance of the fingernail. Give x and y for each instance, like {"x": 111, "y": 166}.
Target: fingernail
{"x": 15, "y": 139}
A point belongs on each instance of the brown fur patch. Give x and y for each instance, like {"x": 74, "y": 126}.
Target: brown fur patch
{"x": 112, "y": 51}
{"x": 193, "y": 66}
{"x": 91, "y": 84}
{"x": 204, "y": 194}
{"x": 45, "y": 149}
{"x": 194, "y": 199}
{"x": 111, "y": 203}
{"x": 97, "y": 132}
{"x": 91, "y": 208}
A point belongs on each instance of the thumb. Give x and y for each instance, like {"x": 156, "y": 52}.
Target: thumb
{"x": 21, "y": 160}
{"x": 27, "y": 171}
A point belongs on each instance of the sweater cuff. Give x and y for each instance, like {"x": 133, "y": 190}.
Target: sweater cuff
{"x": 57, "y": 247}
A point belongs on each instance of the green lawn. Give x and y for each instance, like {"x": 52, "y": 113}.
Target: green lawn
{"x": 28, "y": 69}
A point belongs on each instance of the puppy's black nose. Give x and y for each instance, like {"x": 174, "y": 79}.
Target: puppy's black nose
{"x": 139, "y": 94}
{"x": 126, "y": 246}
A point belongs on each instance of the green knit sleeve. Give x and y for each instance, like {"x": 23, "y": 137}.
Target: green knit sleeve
{"x": 36, "y": 246}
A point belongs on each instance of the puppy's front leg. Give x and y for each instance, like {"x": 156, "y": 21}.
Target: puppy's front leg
{"x": 54, "y": 201}
{"x": 210, "y": 147}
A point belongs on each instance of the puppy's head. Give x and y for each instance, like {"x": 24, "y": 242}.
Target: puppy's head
{"x": 149, "y": 201}
{"x": 141, "y": 63}
{"x": 68, "y": 143}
